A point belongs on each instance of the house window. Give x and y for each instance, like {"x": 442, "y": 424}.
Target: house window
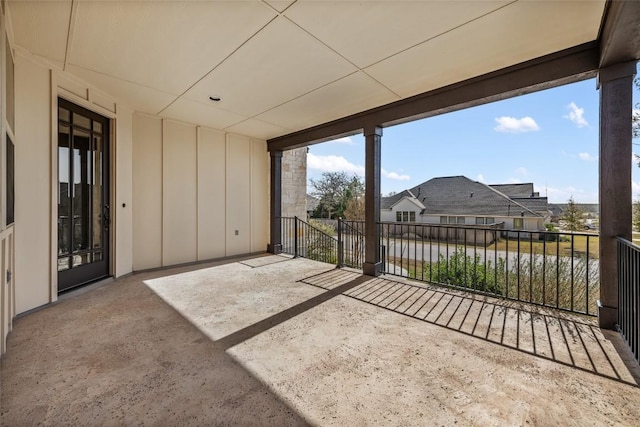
{"x": 405, "y": 216}
{"x": 490, "y": 220}
{"x": 479, "y": 220}
{"x": 518, "y": 223}
{"x": 452, "y": 219}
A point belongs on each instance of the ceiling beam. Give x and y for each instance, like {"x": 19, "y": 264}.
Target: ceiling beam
{"x": 566, "y": 66}
{"x": 620, "y": 33}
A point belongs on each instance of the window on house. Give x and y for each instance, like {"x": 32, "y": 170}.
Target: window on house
{"x": 443, "y": 220}
{"x": 461, "y": 220}
{"x": 479, "y": 220}
{"x": 490, "y": 220}
{"x": 405, "y": 216}
{"x": 518, "y": 223}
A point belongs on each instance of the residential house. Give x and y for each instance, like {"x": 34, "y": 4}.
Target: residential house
{"x": 462, "y": 201}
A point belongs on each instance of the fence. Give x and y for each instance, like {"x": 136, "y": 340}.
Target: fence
{"x": 300, "y": 238}
{"x": 552, "y": 269}
{"x": 629, "y": 294}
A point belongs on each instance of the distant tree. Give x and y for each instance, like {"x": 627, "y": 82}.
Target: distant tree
{"x": 355, "y": 209}
{"x": 635, "y": 218}
{"x": 336, "y": 190}
{"x": 573, "y": 216}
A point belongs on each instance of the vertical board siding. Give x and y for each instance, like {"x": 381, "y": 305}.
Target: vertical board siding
{"x": 32, "y": 184}
{"x": 147, "y": 192}
{"x": 238, "y": 200}
{"x": 179, "y": 193}
{"x": 259, "y": 196}
{"x": 193, "y": 187}
{"x": 211, "y": 194}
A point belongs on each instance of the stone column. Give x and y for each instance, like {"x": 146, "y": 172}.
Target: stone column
{"x": 373, "y": 138}
{"x": 275, "y": 236}
{"x": 616, "y": 87}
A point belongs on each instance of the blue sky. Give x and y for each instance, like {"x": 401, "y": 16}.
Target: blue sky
{"x": 549, "y": 138}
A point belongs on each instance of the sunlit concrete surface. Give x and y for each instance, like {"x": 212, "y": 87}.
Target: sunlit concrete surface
{"x": 278, "y": 341}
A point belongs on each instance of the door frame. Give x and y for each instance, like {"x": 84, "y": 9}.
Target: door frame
{"x": 93, "y": 271}
{"x": 62, "y": 86}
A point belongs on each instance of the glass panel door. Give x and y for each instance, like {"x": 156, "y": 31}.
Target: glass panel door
{"x": 83, "y": 208}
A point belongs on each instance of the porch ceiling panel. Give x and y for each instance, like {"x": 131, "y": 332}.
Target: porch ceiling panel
{"x": 140, "y": 97}
{"x": 168, "y": 45}
{"x": 202, "y": 114}
{"x": 354, "y": 92}
{"x": 510, "y": 35}
{"x": 42, "y": 27}
{"x": 283, "y": 66}
{"x": 257, "y": 129}
{"x": 369, "y": 33}
{"x": 276, "y": 66}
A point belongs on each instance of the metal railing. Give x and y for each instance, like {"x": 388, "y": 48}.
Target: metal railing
{"x": 302, "y": 239}
{"x": 552, "y": 269}
{"x": 629, "y": 294}
{"x": 351, "y": 239}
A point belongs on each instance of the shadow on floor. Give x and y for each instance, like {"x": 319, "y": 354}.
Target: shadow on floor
{"x": 567, "y": 339}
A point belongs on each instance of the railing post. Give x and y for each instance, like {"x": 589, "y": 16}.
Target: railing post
{"x": 295, "y": 237}
{"x": 340, "y": 245}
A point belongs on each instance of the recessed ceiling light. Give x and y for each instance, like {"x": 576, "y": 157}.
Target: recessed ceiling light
{"x": 215, "y": 98}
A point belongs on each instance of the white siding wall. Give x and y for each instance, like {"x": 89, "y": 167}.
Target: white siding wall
{"x": 193, "y": 188}
{"x": 36, "y": 89}
{"x": 32, "y": 185}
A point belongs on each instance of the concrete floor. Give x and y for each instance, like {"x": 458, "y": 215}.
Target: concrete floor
{"x": 277, "y": 341}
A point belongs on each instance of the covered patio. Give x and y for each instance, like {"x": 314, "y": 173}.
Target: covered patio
{"x": 272, "y": 340}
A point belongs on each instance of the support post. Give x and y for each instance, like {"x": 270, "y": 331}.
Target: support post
{"x": 275, "y": 247}
{"x": 373, "y": 139}
{"x": 616, "y": 87}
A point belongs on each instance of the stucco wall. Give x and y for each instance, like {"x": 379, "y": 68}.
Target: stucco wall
{"x": 294, "y": 183}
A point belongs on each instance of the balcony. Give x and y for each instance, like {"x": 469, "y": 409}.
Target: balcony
{"x": 275, "y": 340}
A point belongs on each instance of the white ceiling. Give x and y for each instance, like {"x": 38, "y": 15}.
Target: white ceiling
{"x": 282, "y": 66}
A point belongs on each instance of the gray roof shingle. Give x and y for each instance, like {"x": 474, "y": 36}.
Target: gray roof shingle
{"x": 459, "y": 195}
{"x": 514, "y": 190}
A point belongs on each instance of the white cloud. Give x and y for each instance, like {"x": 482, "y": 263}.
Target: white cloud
{"x": 333, "y": 163}
{"x": 344, "y": 140}
{"x": 586, "y": 157}
{"x": 394, "y": 175}
{"x": 512, "y": 125}
{"x": 480, "y": 178}
{"x": 635, "y": 189}
{"x": 561, "y": 195}
{"x": 522, "y": 171}
{"x": 576, "y": 115}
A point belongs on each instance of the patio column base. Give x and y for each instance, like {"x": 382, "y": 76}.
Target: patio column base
{"x": 274, "y": 249}
{"x": 607, "y": 316}
{"x": 372, "y": 269}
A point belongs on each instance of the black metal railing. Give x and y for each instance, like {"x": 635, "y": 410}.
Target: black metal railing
{"x": 302, "y": 239}
{"x": 351, "y": 239}
{"x": 629, "y": 294}
{"x": 552, "y": 269}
